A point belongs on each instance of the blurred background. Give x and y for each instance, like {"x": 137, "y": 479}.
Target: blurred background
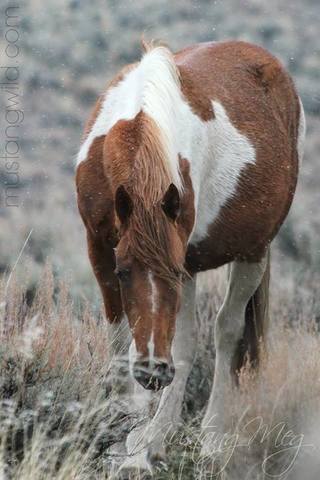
{"x": 55, "y": 59}
{"x": 69, "y": 49}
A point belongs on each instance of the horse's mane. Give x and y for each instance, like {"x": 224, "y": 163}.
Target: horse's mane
{"x": 149, "y": 226}
{"x": 151, "y": 164}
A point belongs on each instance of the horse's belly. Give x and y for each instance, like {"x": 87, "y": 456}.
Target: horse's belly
{"x": 245, "y": 225}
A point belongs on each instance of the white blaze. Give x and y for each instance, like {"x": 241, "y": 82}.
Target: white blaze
{"x": 154, "y": 293}
{"x": 154, "y": 308}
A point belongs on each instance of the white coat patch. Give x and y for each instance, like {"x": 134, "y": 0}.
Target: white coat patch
{"x": 133, "y": 356}
{"x": 217, "y": 153}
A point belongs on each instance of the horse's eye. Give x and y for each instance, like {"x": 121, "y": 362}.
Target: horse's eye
{"x": 123, "y": 274}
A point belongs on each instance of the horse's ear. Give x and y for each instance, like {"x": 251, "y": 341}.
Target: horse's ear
{"x": 171, "y": 202}
{"x": 123, "y": 204}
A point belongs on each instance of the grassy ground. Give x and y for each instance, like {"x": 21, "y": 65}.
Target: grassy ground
{"x": 59, "y": 416}
{"x": 58, "y": 413}
{"x": 62, "y": 74}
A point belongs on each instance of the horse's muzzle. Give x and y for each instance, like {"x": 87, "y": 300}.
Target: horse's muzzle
{"x": 153, "y": 375}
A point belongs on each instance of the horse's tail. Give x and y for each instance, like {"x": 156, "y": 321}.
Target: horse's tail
{"x": 256, "y": 324}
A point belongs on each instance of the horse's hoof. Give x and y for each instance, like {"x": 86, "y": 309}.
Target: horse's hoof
{"x": 158, "y": 465}
{"x": 135, "y": 469}
{"x": 133, "y": 473}
{"x": 157, "y": 458}
{"x": 210, "y": 469}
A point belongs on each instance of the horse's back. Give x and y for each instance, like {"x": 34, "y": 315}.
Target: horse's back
{"x": 250, "y": 82}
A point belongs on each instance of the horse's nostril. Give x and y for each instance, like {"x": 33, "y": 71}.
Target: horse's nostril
{"x": 164, "y": 370}
{"x": 153, "y": 375}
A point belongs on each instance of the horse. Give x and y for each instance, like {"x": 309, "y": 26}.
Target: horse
{"x": 189, "y": 162}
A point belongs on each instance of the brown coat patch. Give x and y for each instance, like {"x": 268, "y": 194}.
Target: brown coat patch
{"x": 95, "y": 204}
{"x": 261, "y": 102}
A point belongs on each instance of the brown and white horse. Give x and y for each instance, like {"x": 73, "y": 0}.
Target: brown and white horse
{"x": 189, "y": 162}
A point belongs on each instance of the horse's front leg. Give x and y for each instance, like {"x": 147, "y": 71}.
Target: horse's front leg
{"x": 135, "y": 464}
{"x": 146, "y": 443}
{"x": 244, "y": 279}
{"x": 129, "y": 455}
{"x": 101, "y": 255}
{"x": 167, "y": 417}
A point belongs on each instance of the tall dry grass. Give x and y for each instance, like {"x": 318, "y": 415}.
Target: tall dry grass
{"x": 59, "y": 415}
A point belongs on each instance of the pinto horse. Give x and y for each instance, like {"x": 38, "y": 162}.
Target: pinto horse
{"x": 189, "y": 162}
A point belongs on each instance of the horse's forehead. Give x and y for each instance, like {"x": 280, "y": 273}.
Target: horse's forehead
{"x": 120, "y": 147}
{"x": 126, "y": 133}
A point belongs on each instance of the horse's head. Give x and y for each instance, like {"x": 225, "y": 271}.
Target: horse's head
{"x": 150, "y": 259}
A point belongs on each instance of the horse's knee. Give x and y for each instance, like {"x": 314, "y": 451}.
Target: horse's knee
{"x": 229, "y": 328}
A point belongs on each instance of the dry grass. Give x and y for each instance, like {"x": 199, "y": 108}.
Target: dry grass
{"x": 59, "y": 416}
{"x": 58, "y": 413}
{"x": 277, "y": 413}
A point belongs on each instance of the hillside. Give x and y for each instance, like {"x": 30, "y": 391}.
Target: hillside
{"x": 70, "y": 49}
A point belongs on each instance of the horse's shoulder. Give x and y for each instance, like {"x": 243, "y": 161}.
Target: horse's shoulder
{"x": 94, "y": 193}
{"x": 95, "y": 198}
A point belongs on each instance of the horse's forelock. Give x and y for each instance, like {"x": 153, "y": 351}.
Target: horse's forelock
{"x": 153, "y": 242}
